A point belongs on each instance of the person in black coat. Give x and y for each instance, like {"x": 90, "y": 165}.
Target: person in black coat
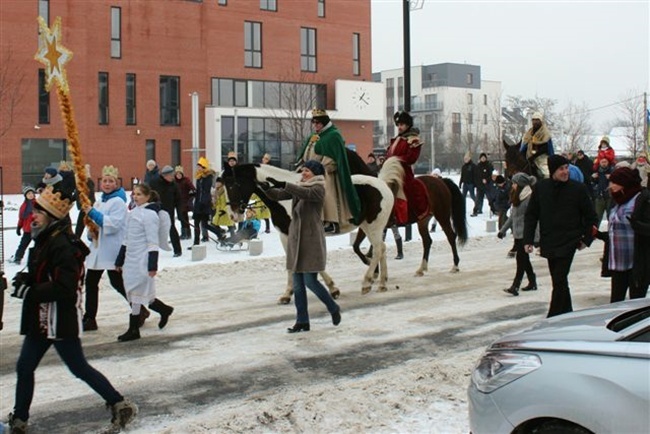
{"x": 483, "y": 177}
{"x": 585, "y": 164}
{"x": 567, "y": 221}
{"x": 170, "y": 199}
{"x": 51, "y": 315}
{"x": 468, "y": 178}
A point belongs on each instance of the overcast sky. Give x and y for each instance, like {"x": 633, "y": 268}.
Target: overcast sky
{"x": 582, "y": 51}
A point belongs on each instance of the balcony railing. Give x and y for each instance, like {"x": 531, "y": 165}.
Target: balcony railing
{"x": 426, "y": 106}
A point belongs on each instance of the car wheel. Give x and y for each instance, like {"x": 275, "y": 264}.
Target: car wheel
{"x": 560, "y": 427}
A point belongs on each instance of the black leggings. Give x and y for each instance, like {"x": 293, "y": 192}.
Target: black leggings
{"x": 523, "y": 262}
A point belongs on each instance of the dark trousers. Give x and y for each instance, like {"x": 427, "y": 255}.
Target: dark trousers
{"x": 523, "y": 262}
{"x": 184, "y": 218}
{"x": 25, "y": 239}
{"x": 173, "y": 235}
{"x": 561, "y": 296}
{"x": 92, "y": 289}
{"x": 478, "y": 203}
{"x": 310, "y": 280}
{"x": 200, "y": 226}
{"x": 469, "y": 188}
{"x": 70, "y": 351}
{"x": 621, "y": 281}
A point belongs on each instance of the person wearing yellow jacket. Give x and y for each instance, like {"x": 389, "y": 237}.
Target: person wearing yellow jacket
{"x": 221, "y": 216}
{"x": 262, "y": 211}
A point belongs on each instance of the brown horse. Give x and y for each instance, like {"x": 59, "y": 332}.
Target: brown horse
{"x": 446, "y": 202}
{"x": 517, "y": 162}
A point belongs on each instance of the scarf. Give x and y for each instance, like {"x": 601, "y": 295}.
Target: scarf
{"x": 624, "y": 195}
{"x": 532, "y": 139}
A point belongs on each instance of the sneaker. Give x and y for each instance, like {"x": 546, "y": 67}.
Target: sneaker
{"x": 17, "y": 426}
{"x": 177, "y": 254}
{"x": 123, "y": 413}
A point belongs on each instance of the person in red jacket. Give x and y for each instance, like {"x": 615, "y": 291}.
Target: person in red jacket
{"x": 604, "y": 152}
{"x": 407, "y": 146}
{"x": 24, "y": 226}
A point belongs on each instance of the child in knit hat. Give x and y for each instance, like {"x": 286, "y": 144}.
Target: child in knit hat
{"x": 24, "y": 225}
{"x": 605, "y": 151}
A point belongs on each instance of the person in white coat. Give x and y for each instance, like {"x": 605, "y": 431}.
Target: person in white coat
{"x": 138, "y": 260}
{"x": 109, "y": 214}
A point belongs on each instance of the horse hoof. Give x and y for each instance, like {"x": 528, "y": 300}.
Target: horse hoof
{"x": 365, "y": 290}
{"x": 284, "y": 300}
{"x": 419, "y": 273}
{"x": 454, "y": 269}
{"x": 335, "y": 294}
{"x": 382, "y": 289}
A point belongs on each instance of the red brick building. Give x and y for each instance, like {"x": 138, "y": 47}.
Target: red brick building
{"x": 135, "y": 63}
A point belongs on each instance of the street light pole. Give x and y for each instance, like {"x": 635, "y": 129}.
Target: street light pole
{"x": 406, "y": 12}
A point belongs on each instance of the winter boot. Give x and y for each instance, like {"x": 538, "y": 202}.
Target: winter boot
{"x": 133, "y": 332}
{"x": 164, "y": 311}
{"x": 144, "y": 314}
{"x": 514, "y": 289}
{"x": 89, "y": 324}
{"x": 532, "y": 283}
{"x": 400, "y": 252}
{"x": 122, "y": 413}
{"x": 17, "y": 426}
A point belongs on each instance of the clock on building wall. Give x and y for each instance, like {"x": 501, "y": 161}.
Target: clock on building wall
{"x": 361, "y": 97}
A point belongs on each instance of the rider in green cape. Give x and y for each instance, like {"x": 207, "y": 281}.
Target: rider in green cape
{"x": 326, "y": 145}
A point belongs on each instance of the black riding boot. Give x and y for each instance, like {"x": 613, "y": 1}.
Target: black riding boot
{"x": 133, "y": 332}
{"x": 400, "y": 252}
{"x": 532, "y": 283}
{"x": 164, "y": 310}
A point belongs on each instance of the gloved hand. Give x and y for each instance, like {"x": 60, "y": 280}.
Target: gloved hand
{"x": 21, "y": 284}
{"x": 501, "y": 235}
{"x": 275, "y": 183}
{"x": 18, "y": 230}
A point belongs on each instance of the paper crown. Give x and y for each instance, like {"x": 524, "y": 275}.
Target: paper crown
{"x": 53, "y": 203}
{"x": 232, "y": 154}
{"x": 110, "y": 171}
{"x": 203, "y": 162}
{"x": 179, "y": 169}
{"x": 318, "y": 112}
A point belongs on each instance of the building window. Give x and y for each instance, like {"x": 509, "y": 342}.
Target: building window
{"x": 44, "y": 10}
{"x": 229, "y": 93}
{"x": 150, "y": 150}
{"x": 102, "y": 98}
{"x": 400, "y": 92}
{"x": 485, "y": 99}
{"x": 470, "y": 99}
{"x": 252, "y": 44}
{"x": 269, "y": 5}
{"x": 484, "y": 119}
{"x": 176, "y": 152}
{"x": 455, "y": 123}
{"x": 470, "y": 118}
{"x": 43, "y": 99}
{"x": 116, "y": 33}
{"x": 356, "y": 54}
{"x": 130, "y": 99}
{"x": 321, "y": 8}
{"x": 470, "y": 78}
{"x": 222, "y": 2}
{"x": 308, "y": 49}
{"x": 170, "y": 111}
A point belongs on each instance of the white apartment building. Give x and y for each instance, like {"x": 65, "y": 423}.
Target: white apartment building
{"x": 455, "y": 110}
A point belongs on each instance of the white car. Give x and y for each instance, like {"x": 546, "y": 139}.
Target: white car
{"x": 582, "y": 372}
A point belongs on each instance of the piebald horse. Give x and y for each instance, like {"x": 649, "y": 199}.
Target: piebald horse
{"x": 376, "y": 198}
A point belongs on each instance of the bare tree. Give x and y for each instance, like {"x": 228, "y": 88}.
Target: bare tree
{"x": 12, "y": 77}
{"x": 528, "y": 106}
{"x": 576, "y": 125}
{"x": 294, "y": 97}
{"x": 632, "y": 116}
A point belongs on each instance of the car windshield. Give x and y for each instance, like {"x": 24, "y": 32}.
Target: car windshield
{"x": 628, "y": 319}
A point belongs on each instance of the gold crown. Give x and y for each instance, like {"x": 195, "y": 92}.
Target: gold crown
{"x": 318, "y": 112}
{"x": 53, "y": 203}
{"x": 232, "y": 154}
{"x": 178, "y": 169}
{"x": 111, "y": 171}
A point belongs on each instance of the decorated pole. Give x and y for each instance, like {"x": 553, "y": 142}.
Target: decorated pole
{"x": 54, "y": 56}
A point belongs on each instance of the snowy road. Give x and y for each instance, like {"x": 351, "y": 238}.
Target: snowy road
{"x": 399, "y": 362}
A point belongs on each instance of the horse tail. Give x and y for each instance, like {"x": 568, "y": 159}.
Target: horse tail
{"x": 458, "y": 214}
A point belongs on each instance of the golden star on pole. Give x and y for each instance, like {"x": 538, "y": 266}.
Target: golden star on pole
{"x": 52, "y": 54}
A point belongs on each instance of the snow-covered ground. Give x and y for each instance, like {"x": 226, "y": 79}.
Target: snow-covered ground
{"x": 399, "y": 361}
